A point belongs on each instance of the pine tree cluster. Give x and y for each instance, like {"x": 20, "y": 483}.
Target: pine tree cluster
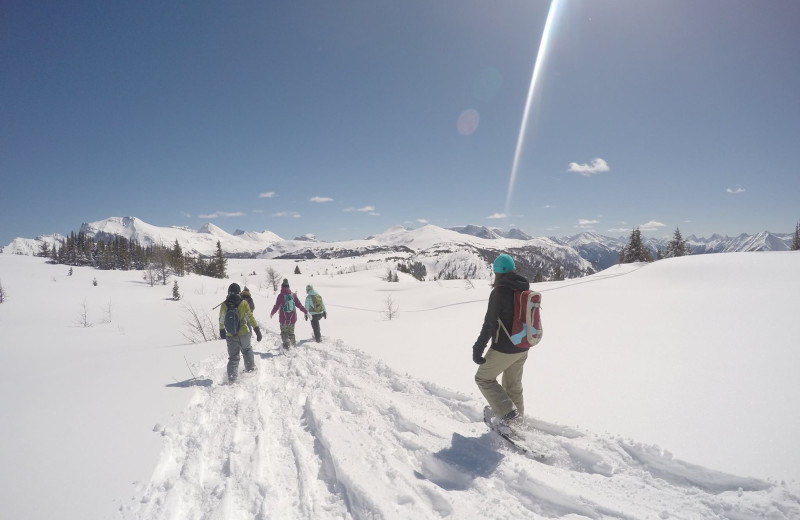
{"x": 415, "y": 269}
{"x": 677, "y": 246}
{"x": 121, "y": 254}
{"x": 796, "y": 238}
{"x": 635, "y": 251}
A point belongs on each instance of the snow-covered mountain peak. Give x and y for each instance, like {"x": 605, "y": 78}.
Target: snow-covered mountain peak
{"x": 212, "y": 229}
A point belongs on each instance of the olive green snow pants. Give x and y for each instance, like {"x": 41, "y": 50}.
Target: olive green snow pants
{"x": 287, "y": 334}
{"x": 502, "y": 398}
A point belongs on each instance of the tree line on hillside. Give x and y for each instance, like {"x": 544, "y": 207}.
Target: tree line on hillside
{"x": 635, "y": 250}
{"x": 120, "y": 253}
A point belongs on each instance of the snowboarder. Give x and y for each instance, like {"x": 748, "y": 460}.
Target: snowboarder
{"x": 316, "y": 307}
{"x": 239, "y": 342}
{"x": 288, "y": 303}
{"x": 503, "y": 357}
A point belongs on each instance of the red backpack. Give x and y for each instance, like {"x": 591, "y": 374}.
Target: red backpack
{"x": 526, "y": 328}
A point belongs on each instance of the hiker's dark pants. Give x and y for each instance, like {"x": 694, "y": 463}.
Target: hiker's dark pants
{"x": 315, "y": 326}
{"x": 237, "y": 344}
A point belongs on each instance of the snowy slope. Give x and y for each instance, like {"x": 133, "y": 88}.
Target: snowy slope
{"x": 382, "y": 420}
{"x": 33, "y": 246}
{"x": 328, "y": 432}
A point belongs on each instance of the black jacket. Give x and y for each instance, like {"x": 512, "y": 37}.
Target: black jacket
{"x": 501, "y": 305}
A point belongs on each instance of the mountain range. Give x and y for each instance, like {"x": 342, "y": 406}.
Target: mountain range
{"x": 458, "y": 252}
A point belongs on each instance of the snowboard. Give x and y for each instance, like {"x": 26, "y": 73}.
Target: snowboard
{"x": 515, "y": 439}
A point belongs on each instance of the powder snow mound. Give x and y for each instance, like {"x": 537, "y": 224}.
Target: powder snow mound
{"x": 333, "y": 433}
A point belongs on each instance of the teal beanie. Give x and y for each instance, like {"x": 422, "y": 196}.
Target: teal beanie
{"x": 503, "y": 264}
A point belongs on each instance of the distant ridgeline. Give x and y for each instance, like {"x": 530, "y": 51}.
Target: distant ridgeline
{"x": 427, "y": 253}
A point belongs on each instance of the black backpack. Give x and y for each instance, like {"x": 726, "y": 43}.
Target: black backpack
{"x": 232, "y": 321}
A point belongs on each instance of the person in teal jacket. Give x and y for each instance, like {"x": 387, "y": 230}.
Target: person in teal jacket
{"x": 317, "y": 311}
{"x": 239, "y": 344}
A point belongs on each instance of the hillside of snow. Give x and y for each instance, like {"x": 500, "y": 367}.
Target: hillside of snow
{"x": 663, "y": 390}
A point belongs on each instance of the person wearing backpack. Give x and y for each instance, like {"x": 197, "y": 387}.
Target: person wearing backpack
{"x": 316, "y": 307}
{"x": 246, "y": 296}
{"x": 235, "y": 322}
{"x": 287, "y": 304}
{"x": 503, "y": 357}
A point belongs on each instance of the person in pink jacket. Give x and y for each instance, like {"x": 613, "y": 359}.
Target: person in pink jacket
{"x": 287, "y": 303}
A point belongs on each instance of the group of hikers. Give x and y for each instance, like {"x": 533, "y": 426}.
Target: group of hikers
{"x": 503, "y": 358}
{"x": 238, "y": 336}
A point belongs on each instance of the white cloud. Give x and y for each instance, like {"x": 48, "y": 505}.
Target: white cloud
{"x": 735, "y": 191}
{"x": 209, "y": 215}
{"x": 292, "y": 214}
{"x": 596, "y": 166}
{"x": 422, "y": 221}
{"x": 320, "y": 199}
{"x": 651, "y": 226}
{"x": 586, "y": 223}
{"x": 496, "y": 216}
{"x": 365, "y": 209}
{"x": 266, "y": 195}
{"x": 230, "y": 214}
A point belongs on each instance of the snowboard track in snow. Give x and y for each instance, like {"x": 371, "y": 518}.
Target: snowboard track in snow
{"x": 328, "y": 432}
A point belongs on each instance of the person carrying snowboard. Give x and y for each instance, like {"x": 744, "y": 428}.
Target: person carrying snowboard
{"x": 287, "y": 303}
{"x": 316, "y": 307}
{"x": 234, "y": 328}
{"x": 503, "y": 357}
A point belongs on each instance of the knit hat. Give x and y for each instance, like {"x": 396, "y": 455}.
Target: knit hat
{"x": 245, "y": 291}
{"x": 234, "y": 288}
{"x": 309, "y": 288}
{"x": 285, "y": 282}
{"x": 503, "y": 264}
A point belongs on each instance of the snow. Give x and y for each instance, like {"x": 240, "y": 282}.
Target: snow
{"x": 663, "y": 390}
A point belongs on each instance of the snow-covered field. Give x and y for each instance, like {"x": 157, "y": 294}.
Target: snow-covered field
{"x": 666, "y": 390}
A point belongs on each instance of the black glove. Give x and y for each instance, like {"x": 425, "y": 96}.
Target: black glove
{"x": 222, "y": 333}
{"x": 258, "y": 333}
{"x": 306, "y": 317}
{"x": 325, "y": 315}
{"x": 477, "y": 355}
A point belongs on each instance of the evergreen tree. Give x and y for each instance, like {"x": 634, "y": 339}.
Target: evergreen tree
{"x": 677, "y": 246}
{"x": 44, "y": 250}
{"x": 297, "y": 269}
{"x": 557, "y": 274}
{"x": 176, "y": 293}
{"x": 635, "y": 251}
{"x": 218, "y": 265}
{"x": 796, "y": 239}
{"x": 177, "y": 260}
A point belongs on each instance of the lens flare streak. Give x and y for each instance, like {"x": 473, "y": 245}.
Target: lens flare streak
{"x": 537, "y": 70}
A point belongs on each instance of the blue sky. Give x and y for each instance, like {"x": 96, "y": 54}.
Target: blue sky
{"x": 344, "y": 118}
